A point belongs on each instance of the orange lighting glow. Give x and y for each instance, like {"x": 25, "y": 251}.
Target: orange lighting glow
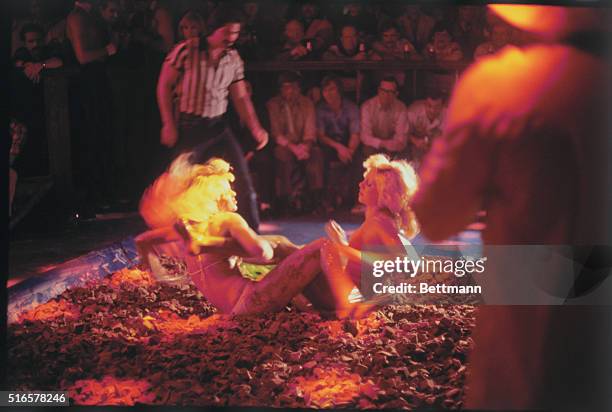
{"x": 111, "y": 391}
{"x": 331, "y": 387}
{"x": 51, "y": 310}
{"x": 552, "y": 21}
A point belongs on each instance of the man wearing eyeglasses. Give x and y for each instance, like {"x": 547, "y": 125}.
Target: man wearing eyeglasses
{"x": 383, "y": 121}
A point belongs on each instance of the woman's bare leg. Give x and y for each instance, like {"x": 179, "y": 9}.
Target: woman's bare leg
{"x": 287, "y": 280}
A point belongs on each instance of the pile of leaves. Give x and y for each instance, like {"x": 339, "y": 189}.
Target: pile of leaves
{"x": 130, "y": 340}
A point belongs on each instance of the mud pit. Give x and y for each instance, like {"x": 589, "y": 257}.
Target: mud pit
{"x": 129, "y": 340}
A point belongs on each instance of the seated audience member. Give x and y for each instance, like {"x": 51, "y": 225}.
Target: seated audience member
{"x": 153, "y": 27}
{"x": 317, "y": 29}
{"x": 338, "y": 133}
{"x": 442, "y": 48}
{"x": 293, "y": 128}
{"x": 296, "y": 47}
{"x": 391, "y": 47}
{"x": 348, "y": 48}
{"x": 415, "y": 26}
{"x": 501, "y": 36}
{"x": 425, "y": 120}
{"x": 191, "y": 26}
{"x": 491, "y": 19}
{"x": 260, "y": 29}
{"x": 354, "y": 14}
{"x": 314, "y": 94}
{"x": 468, "y": 29}
{"x": 383, "y": 121}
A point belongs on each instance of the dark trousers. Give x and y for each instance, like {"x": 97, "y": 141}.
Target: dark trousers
{"x": 287, "y": 165}
{"x": 94, "y": 149}
{"x": 208, "y": 138}
{"x": 342, "y": 180}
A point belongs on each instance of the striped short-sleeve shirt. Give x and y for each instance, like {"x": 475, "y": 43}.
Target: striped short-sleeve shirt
{"x": 202, "y": 89}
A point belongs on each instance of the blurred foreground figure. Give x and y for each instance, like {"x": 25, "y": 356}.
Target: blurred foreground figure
{"x": 526, "y": 137}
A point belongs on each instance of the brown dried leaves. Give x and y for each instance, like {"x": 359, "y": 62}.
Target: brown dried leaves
{"x": 129, "y": 340}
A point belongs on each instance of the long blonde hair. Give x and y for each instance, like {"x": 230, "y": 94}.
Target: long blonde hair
{"x": 186, "y": 191}
{"x": 397, "y": 182}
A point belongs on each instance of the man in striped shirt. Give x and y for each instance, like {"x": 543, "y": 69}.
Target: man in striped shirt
{"x": 203, "y": 72}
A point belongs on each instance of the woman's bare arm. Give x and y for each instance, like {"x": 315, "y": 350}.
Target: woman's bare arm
{"x": 255, "y": 245}
{"x": 378, "y": 234}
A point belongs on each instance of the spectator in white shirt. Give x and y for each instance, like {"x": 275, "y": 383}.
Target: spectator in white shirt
{"x": 383, "y": 121}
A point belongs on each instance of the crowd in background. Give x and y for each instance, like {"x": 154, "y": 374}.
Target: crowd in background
{"x": 319, "y": 122}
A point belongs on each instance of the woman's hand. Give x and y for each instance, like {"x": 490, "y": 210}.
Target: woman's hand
{"x": 335, "y": 233}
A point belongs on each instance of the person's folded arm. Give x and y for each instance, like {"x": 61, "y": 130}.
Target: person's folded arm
{"x": 367, "y": 135}
{"x": 310, "y": 124}
{"x": 399, "y": 140}
{"x": 354, "y": 126}
{"x": 275, "y": 125}
{"x": 353, "y": 144}
{"x": 326, "y": 140}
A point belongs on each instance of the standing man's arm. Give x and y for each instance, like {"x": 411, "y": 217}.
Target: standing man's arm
{"x": 415, "y": 128}
{"x": 244, "y": 106}
{"x": 165, "y": 91}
